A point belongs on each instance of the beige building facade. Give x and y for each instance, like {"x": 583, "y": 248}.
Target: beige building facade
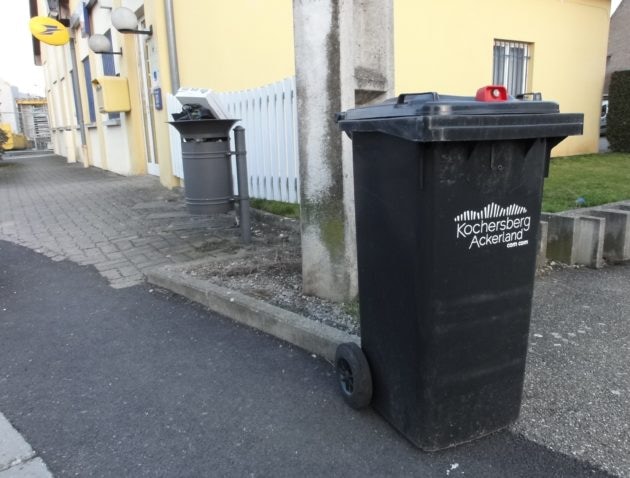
{"x": 554, "y": 47}
{"x": 345, "y": 53}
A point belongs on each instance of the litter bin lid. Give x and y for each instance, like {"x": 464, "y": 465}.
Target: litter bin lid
{"x": 204, "y": 128}
{"x": 492, "y": 114}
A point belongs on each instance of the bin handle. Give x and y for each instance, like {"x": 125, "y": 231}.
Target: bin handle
{"x": 401, "y": 98}
{"x": 535, "y": 96}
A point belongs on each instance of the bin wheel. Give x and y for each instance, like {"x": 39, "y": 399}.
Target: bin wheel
{"x": 353, "y": 372}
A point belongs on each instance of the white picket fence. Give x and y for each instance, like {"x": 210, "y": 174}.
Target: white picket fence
{"x": 269, "y": 116}
{"x": 174, "y": 106}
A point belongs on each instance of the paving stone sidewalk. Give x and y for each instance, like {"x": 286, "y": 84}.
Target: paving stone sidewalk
{"x": 121, "y": 225}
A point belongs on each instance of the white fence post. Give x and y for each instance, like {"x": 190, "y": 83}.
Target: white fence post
{"x": 174, "y": 106}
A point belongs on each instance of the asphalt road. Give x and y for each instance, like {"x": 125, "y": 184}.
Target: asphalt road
{"x": 577, "y": 380}
{"x": 139, "y": 382}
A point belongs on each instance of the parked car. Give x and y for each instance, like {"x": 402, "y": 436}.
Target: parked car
{"x": 603, "y": 122}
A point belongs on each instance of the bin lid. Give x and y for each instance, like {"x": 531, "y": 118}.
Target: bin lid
{"x": 492, "y": 114}
{"x": 204, "y": 128}
{"x": 425, "y": 104}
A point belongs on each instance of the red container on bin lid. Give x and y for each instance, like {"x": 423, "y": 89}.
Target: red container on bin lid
{"x": 492, "y": 93}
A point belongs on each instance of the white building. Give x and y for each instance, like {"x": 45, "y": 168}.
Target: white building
{"x": 8, "y": 109}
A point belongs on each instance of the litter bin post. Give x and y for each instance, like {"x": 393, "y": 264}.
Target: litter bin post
{"x": 447, "y": 197}
{"x": 242, "y": 179}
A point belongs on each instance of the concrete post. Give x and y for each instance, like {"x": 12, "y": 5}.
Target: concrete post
{"x": 343, "y": 57}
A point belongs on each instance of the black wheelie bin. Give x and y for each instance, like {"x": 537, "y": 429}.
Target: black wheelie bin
{"x": 448, "y": 193}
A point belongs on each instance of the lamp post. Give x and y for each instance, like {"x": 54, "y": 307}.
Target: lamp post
{"x": 125, "y": 21}
{"x": 101, "y": 45}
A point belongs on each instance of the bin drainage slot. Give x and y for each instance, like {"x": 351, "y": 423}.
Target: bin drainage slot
{"x": 203, "y": 140}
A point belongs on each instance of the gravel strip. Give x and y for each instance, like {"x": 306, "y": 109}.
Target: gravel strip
{"x": 271, "y": 270}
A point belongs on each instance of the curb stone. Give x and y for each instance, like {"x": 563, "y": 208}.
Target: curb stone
{"x": 590, "y": 236}
{"x": 34, "y": 468}
{"x": 279, "y": 221}
{"x": 17, "y": 458}
{"x": 310, "y": 335}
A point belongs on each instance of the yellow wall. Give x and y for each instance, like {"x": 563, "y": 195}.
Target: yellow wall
{"x": 234, "y": 45}
{"x": 447, "y": 46}
{"x": 440, "y": 45}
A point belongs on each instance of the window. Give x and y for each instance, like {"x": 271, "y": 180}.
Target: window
{"x": 109, "y": 68}
{"x": 511, "y": 66}
{"x": 88, "y": 87}
{"x": 74, "y": 94}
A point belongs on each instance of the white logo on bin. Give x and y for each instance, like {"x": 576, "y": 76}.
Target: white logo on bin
{"x": 494, "y": 225}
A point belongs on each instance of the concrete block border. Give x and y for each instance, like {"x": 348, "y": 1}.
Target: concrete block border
{"x": 541, "y": 251}
{"x": 590, "y": 236}
{"x": 575, "y": 240}
{"x": 307, "y": 334}
{"x": 616, "y": 234}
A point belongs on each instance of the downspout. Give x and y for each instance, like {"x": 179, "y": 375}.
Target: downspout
{"x": 79, "y": 103}
{"x": 172, "y": 45}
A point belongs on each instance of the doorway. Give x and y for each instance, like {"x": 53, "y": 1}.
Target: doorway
{"x": 148, "y": 81}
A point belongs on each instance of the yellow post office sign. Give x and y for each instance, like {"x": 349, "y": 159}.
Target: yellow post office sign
{"x": 49, "y": 30}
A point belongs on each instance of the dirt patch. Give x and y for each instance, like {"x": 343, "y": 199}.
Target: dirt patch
{"x": 270, "y": 269}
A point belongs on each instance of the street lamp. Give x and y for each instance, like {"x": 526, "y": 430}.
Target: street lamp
{"x": 125, "y": 21}
{"x": 100, "y": 44}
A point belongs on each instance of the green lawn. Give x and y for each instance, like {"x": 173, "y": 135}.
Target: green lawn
{"x": 276, "y": 207}
{"x": 598, "y": 178}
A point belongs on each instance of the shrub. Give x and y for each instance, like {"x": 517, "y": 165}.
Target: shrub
{"x": 3, "y": 139}
{"x": 618, "y": 128}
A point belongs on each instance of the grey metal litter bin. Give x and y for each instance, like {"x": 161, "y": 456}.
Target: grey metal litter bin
{"x": 207, "y": 166}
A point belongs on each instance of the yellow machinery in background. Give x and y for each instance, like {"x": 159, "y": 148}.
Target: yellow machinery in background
{"x": 16, "y": 140}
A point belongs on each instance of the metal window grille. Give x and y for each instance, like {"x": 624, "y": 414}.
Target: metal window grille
{"x": 511, "y": 65}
